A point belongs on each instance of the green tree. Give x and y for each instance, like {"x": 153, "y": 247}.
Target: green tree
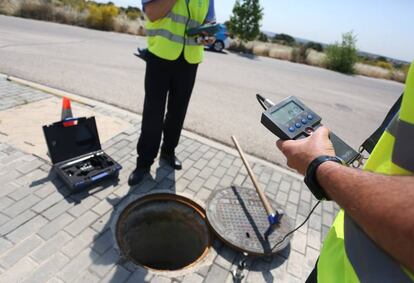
{"x": 246, "y": 18}
{"x": 284, "y": 39}
{"x": 263, "y": 37}
{"x": 342, "y": 56}
{"x": 314, "y": 45}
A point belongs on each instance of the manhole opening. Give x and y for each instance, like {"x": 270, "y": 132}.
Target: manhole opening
{"x": 163, "y": 232}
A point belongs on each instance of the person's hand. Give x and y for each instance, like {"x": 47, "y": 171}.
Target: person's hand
{"x": 300, "y": 153}
{"x": 207, "y": 40}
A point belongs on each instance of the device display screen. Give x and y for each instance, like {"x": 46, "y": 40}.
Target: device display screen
{"x": 287, "y": 112}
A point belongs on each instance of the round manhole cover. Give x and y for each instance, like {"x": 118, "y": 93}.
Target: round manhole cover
{"x": 163, "y": 232}
{"x": 238, "y": 217}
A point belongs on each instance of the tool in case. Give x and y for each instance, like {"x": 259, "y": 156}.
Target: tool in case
{"x": 76, "y": 153}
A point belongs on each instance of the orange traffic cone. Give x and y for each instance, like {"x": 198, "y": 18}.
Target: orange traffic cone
{"x": 67, "y": 112}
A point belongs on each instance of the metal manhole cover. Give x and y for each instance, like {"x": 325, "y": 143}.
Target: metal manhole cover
{"x": 238, "y": 217}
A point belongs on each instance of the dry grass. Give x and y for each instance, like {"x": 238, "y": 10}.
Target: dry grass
{"x": 9, "y": 7}
{"x": 282, "y": 52}
{"x": 124, "y": 25}
{"x": 70, "y": 16}
{"x": 100, "y": 17}
{"x": 261, "y": 50}
{"x": 372, "y": 71}
{"x": 315, "y": 58}
{"x": 399, "y": 76}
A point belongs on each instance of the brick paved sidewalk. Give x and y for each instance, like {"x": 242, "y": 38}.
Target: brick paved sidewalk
{"x": 48, "y": 235}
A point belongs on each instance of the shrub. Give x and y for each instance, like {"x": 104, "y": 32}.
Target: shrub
{"x": 405, "y": 69}
{"x": 382, "y": 59}
{"x": 69, "y": 15}
{"x": 263, "y": 37}
{"x": 315, "y": 46}
{"x": 284, "y": 39}
{"x": 315, "y": 58}
{"x": 122, "y": 24}
{"x": 142, "y": 31}
{"x": 133, "y": 15}
{"x": 385, "y": 65}
{"x": 237, "y": 46}
{"x": 261, "y": 50}
{"x": 342, "y": 57}
{"x": 78, "y": 5}
{"x": 36, "y": 10}
{"x": 372, "y": 71}
{"x": 299, "y": 54}
{"x": 102, "y": 16}
{"x": 399, "y": 76}
{"x": 9, "y": 7}
{"x": 281, "y": 52}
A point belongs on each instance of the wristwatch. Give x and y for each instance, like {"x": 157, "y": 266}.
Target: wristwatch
{"x": 310, "y": 177}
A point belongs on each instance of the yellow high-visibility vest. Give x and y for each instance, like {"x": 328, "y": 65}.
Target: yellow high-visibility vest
{"x": 348, "y": 254}
{"x": 167, "y": 36}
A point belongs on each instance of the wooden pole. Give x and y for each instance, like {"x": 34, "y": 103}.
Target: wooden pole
{"x": 262, "y": 196}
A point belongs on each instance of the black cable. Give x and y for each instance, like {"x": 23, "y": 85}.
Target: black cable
{"x": 261, "y": 100}
{"x": 297, "y": 228}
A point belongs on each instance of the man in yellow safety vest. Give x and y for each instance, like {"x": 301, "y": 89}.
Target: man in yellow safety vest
{"x": 172, "y": 61}
{"x": 372, "y": 238}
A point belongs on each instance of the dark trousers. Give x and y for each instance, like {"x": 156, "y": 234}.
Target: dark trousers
{"x": 163, "y": 78}
{"x": 313, "y": 277}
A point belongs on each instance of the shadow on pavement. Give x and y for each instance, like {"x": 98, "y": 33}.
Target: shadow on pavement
{"x": 216, "y": 52}
{"x": 246, "y": 55}
{"x": 69, "y": 195}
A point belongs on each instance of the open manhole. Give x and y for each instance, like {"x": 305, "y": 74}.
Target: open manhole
{"x": 163, "y": 232}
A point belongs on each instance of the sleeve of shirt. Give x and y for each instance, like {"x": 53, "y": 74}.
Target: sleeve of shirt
{"x": 143, "y": 3}
{"x": 211, "y": 15}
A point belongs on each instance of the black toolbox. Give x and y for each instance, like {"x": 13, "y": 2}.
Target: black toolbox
{"x": 76, "y": 153}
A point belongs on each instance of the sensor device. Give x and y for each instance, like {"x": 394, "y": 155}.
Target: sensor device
{"x": 207, "y": 29}
{"x": 291, "y": 120}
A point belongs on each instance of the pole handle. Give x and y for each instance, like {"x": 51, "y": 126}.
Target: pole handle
{"x": 256, "y": 185}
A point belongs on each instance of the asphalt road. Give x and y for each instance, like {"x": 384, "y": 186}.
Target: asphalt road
{"x": 100, "y": 65}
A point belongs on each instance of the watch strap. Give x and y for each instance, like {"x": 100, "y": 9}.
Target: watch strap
{"x": 310, "y": 178}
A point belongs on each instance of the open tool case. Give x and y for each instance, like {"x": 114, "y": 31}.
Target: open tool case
{"x": 76, "y": 154}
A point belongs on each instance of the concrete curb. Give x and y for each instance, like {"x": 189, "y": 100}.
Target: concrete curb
{"x": 93, "y": 103}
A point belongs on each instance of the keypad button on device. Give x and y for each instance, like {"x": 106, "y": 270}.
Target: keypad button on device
{"x": 291, "y": 129}
{"x": 298, "y": 125}
{"x": 310, "y": 117}
{"x": 304, "y": 121}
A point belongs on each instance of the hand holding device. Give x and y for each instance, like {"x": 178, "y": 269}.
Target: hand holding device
{"x": 292, "y": 120}
{"x": 205, "y": 34}
{"x": 300, "y": 153}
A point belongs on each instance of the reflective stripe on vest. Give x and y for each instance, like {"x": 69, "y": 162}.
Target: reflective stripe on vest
{"x": 167, "y": 37}
{"x": 348, "y": 254}
{"x": 172, "y": 37}
{"x": 182, "y": 20}
{"x": 403, "y": 154}
{"x": 370, "y": 263}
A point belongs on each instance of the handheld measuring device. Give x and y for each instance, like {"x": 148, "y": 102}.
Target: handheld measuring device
{"x": 290, "y": 119}
{"x": 207, "y": 29}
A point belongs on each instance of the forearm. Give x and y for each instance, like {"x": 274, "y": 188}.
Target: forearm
{"x": 158, "y": 9}
{"x": 381, "y": 205}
